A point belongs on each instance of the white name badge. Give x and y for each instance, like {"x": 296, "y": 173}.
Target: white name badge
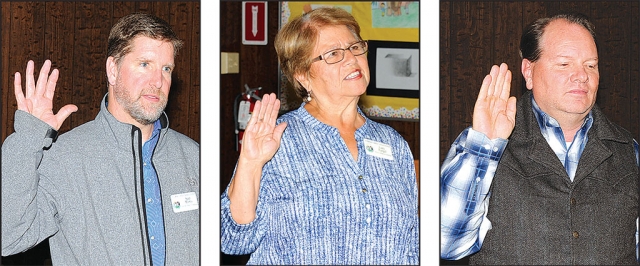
{"x": 378, "y": 149}
{"x": 184, "y": 202}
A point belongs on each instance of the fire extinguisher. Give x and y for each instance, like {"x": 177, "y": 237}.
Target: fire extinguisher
{"x": 242, "y": 109}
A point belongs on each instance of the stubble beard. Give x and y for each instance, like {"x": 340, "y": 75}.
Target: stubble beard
{"x": 143, "y": 115}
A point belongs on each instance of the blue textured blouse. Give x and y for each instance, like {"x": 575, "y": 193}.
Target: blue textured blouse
{"x": 318, "y": 206}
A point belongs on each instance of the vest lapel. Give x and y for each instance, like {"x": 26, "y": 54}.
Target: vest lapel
{"x": 542, "y": 153}
{"x": 594, "y": 154}
{"x": 527, "y": 137}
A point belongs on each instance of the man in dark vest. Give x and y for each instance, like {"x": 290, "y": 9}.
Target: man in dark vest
{"x": 549, "y": 180}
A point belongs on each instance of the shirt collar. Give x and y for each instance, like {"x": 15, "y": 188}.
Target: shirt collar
{"x": 156, "y": 129}
{"x": 550, "y": 124}
{"x": 156, "y": 125}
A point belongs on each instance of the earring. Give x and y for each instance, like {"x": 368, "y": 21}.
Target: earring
{"x": 308, "y": 96}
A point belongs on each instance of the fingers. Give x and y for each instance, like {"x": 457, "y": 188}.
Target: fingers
{"x": 499, "y": 79}
{"x": 497, "y": 83}
{"x": 45, "y": 85}
{"x": 275, "y": 108}
{"x": 41, "y": 85}
{"x": 254, "y": 117}
{"x": 30, "y": 84}
{"x": 488, "y": 84}
{"x": 50, "y": 86}
{"x": 267, "y": 106}
{"x": 17, "y": 85}
{"x": 484, "y": 87}
{"x": 265, "y": 110}
{"x": 506, "y": 86}
{"x": 503, "y": 82}
{"x": 511, "y": 108}
{"x": 495, "y": 70}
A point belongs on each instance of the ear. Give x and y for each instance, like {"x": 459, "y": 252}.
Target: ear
{"x": 527, "y": 72}
{"x": 112, "y": 70}
{"x": 302, "y": 79}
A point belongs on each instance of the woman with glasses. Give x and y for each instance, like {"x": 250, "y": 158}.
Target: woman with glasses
{"x": 335, "y": 187}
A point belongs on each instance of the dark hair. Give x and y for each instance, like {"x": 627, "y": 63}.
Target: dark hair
{"x": 296, "y": 40}
{"x": 131, "y": 26}
{"x": 530, "y": 42}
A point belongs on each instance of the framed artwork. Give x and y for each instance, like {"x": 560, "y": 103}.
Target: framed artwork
{"x": 394, "y": 68}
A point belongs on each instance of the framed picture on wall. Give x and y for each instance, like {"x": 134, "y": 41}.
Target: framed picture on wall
{"x": 394, "y": 68}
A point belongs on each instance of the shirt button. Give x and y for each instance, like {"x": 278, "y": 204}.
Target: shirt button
{"x": 149, "y": 200}
{"x": 486, "y": 146}
{"x": 368, "y": 206}
{"x": 153, "y": 237}
{"x": 364, "y": 190}
{"x": 575, "y": 234}
{"x": 360, "y": 177}
{"x": 573, "y": 201}
{"x": 368, "y": 220}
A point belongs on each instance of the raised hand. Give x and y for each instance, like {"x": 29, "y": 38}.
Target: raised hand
{"x": 494, "y": 113}
{"x": 39, "y": 96}
{"x": 261, "y": 138}
{"x": 260, "y": 142}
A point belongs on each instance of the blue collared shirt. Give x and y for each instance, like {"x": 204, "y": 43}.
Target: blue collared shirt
{"x": 467, "y": 173}
{"x": 153, "y": 202}
{"x": 568, "y": 153}
{"x": 317, "y": 205}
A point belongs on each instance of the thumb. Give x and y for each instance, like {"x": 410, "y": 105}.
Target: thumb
{"x": 278, "y": 131}
{"x": 65, "y": 112}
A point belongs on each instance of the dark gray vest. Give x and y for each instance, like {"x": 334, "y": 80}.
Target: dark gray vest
{"x": 540, "y": 217}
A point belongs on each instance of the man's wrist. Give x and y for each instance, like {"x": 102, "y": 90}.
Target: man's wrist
{"x": 50, "y": 137}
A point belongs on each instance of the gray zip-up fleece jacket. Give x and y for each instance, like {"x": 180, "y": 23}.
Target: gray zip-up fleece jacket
{"x": 85, "y": 192}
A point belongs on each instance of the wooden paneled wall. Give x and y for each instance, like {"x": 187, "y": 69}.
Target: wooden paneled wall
{"x": 259, "y": 68}
{"x": 476, "y": 35}
{"x": 73, "y": 35}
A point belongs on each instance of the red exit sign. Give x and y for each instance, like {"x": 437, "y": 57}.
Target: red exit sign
{"x": 254, "y": 23}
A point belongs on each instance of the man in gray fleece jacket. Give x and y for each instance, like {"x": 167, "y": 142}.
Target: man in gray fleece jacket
{"x": 122, "y": 189}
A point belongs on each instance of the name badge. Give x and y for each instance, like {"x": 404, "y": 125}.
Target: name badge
{"x": 184, "y": 202}
{"x": 378, "y": 149}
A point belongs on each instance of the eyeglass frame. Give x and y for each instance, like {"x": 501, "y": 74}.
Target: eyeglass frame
{"x": 344, "y": 50}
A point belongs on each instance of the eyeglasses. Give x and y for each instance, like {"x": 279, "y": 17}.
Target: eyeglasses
{"x": 337, "y": 55}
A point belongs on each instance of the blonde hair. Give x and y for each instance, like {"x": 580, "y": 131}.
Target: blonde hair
{"x": 295, "y": 41}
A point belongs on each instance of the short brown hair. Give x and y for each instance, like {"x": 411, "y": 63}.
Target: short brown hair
{"x": 296, "y": 40}
{"x": 131, "y": 26}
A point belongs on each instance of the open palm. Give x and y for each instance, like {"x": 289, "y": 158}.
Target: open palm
{"x": 494, "y": 112}
{"x": 38, "y": 100}
{"x": 261, "y": 139}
